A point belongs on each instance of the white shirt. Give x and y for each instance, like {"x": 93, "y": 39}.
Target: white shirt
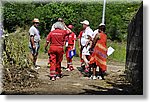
{"x": 94, "y": 33}
{"x": 84, "y": 38}
{"x": 35, "y": 32}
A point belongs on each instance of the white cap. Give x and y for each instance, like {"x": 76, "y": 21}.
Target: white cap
{"x": 86, "y": 22}
{"x": 36, "y": 20}
{"x": 102, "y": 24}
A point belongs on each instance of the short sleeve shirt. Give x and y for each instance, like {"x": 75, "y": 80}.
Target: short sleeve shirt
{"x": 84, "y": 38}
{"x": 33, "y": 31}
{"x": 71, "y": 38}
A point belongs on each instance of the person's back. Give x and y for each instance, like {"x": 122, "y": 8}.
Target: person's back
{"x": 103, "y": 39}
{"x": 57, "y": 37}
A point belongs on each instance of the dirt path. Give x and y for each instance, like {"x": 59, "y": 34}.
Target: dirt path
{"x": 74, "y": 82}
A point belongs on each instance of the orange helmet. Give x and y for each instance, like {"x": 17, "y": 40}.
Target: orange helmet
{"x": 70, "y": 26}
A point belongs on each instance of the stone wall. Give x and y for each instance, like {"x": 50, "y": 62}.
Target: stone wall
{"x": 134, "y": 59}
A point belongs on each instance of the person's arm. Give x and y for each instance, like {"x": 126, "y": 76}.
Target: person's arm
{"x": 74, "y": 38}
{"x": 32, "y": 33}
{"x": 32, "y": 41}
{"x": 66, "y": 28}
{"x": 90, "y": 44}
{"x": 97, "y": 37}
{"x": 89, "y": 40}
{"x": 79, "y": 39}
{"x": 47, "y": 41}
{"x": 74, "y": 46}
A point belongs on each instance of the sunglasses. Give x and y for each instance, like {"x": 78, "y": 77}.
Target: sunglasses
{"x": 36, "y": 22}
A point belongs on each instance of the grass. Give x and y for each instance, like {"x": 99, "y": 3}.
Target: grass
{"x": 120, "y": 51}
{"x": 119, "y": 54}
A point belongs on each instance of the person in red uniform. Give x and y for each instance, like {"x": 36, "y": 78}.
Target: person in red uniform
{"x": 70, "y": 45}
{"x": 56, "y": 39}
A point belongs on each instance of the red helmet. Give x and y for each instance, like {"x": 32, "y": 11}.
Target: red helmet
{"x": 70, "y": 26}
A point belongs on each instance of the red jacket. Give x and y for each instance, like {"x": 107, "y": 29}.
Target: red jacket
{"x": 57, "y": 37}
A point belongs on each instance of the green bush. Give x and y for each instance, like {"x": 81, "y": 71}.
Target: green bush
{"x": 120, "y": 51}
{"x": 118, "y": 16}
{"x": 15, "y": 51}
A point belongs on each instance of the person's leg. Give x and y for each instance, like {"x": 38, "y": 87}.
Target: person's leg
{"x": 34, "y": 53}
{"x": 85, "y": 60}
{"x": 67, "y": 63}
{"x": 59, "y": 58}
{"x": 101, "y": 73}
{"x": 94, "y": 71}
{"x": 81, "y": 60}
{"x": 48, "y": 65}
{"x": 34, "y": 59}
{"x": 67, "y": 55}
{"x": 86, "y": 63}
{"x": 70, "y": 64}
{"x": 36, "y": 50}
{"x": 53, "y": 66}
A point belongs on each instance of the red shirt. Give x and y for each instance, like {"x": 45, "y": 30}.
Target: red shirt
{"x": 80, "y": 34}
{"x": 70, "y": 38}
{"x": 57, "y": 37}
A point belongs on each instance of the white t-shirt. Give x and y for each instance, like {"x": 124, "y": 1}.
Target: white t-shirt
{"x": 84, "y": 38}
{"x": 35, "y": 32}
{"x": 94, "y": 33}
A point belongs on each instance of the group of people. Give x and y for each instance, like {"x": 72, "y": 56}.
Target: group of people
{"x": 92, "y": 45}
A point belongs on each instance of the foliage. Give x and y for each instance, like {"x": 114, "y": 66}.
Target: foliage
{"x": 17, "y": 65}
{"x": 120, "y": 51}
{"x": 118, "y": 16}
{"x": 14, "y": 53}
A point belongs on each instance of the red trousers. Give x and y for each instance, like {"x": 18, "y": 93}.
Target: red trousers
{"x": 56, "y": 57}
